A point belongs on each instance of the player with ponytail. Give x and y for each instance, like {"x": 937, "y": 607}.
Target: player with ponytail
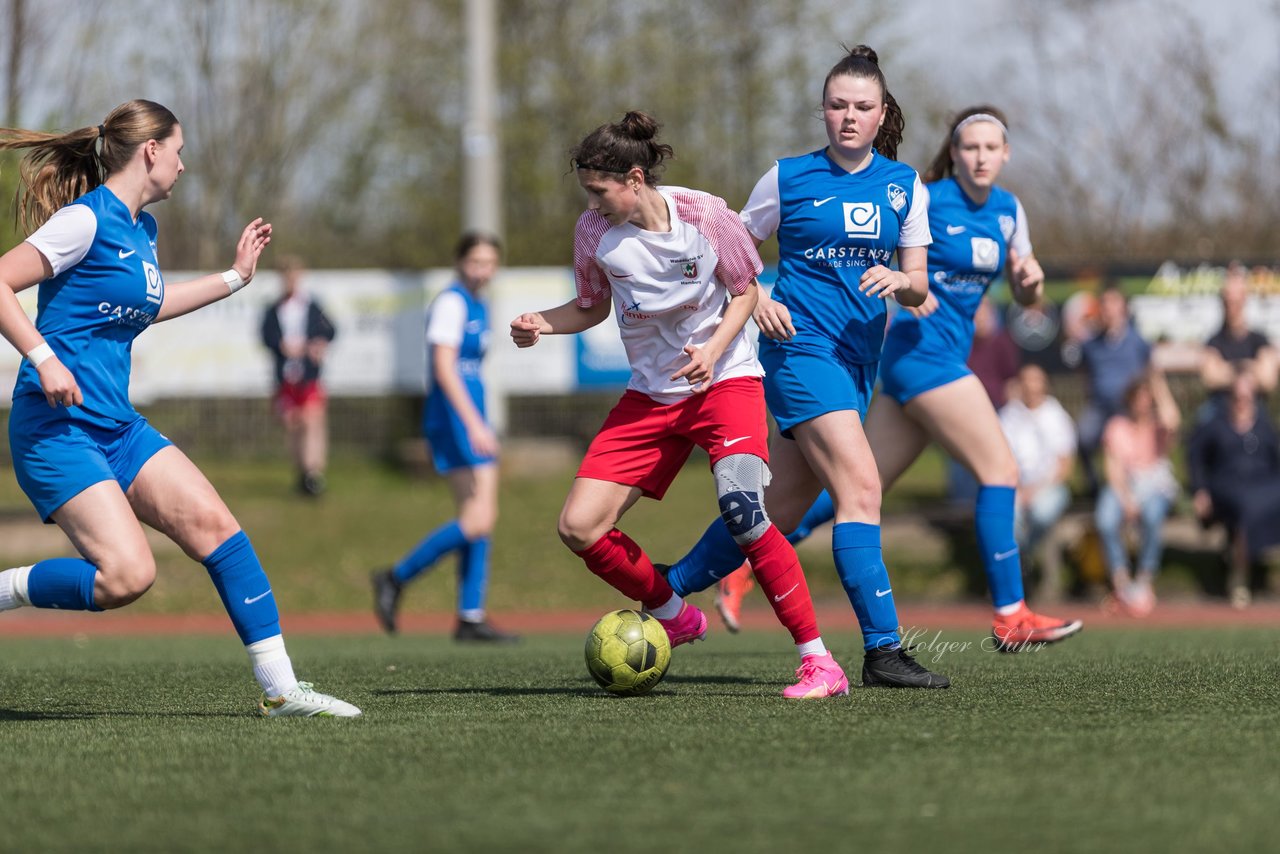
{"x": 81, "y": 452}
{"x": 841, "y": 214}
{"x": 929, "y": 394}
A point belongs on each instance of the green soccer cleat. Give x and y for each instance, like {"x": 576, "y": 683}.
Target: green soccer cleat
{"x": 303, "y": 701}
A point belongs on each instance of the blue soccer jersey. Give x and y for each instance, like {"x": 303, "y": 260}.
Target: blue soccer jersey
{"x": 970, "y": 244}
{"x": 458, "y": 319}
{"x": 105, "y": 290}
{"x": 832, "y": 226}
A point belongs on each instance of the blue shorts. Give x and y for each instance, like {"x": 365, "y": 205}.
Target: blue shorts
{"x": 450, "y": 447}
{"x": 55, "y": 458}
{"x": 908, "y": 375}
{"x": 806, "y": 379}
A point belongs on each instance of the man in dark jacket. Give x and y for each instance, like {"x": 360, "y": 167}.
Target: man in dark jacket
{"x": 297, "y": 332}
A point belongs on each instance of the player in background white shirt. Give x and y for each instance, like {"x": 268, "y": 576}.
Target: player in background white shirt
{"x": 679, "y": 269}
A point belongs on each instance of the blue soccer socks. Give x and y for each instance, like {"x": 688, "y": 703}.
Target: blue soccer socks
{"x": 473, "y": 578}
{"x": 712, "y": 558}
{"x": 993, "y": 517}
{"x": 65, "y": 583}
{"x": 860, "y": 564}
{"x": 246, "y": 593}
{"x": 448, "y": 537}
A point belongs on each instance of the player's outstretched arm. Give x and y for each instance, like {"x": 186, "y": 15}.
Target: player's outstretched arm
{"x": 562, "y": 320}
{"x": 185, "y": 297}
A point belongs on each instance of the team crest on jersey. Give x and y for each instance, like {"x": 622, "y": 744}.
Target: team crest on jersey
{"x": 986, "y": 254}
{"x": 155, "y": 285}
{"x": 862, "y": 219}
{"x": 897, "y": 197}
{"x": 691, "y": 270}
{"x": 1006, "y": 227}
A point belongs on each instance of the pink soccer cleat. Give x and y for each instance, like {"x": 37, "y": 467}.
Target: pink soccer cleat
{"x": 820, "y": 676}
{"x": 687, "y": 626}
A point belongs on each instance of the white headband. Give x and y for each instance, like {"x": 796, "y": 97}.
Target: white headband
{"x": 980, "y": 117}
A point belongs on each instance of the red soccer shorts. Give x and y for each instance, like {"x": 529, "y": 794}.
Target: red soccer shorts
{"x": 644, "y": 443}
{"x": 294, "y": 396}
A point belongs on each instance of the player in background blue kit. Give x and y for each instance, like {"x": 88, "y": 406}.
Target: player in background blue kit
{"x": 83, "y": 455}
{"x": 929, "y": 394}
{"x": 464, "y": 447}
{"x": 840, "y": 214}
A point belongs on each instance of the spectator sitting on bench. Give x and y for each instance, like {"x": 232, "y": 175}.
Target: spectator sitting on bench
{"x": 1236, "y": 348}
{"x": 1234, "y": 463}
{"x": 1042, "y": 437}
{"x": 1140, "y": 487}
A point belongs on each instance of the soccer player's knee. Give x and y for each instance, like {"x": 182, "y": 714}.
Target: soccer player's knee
{"x": 864, "y": 500}
{"x": 124, "y": 578}
{"x": 740, "y": 483}
{"x": 578, "y": 529}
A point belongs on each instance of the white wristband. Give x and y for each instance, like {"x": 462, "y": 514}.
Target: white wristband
{"x": 40, "y": 354}
{"x": 233, "y": 280}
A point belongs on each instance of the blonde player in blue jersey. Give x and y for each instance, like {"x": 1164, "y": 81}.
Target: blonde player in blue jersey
{"x": 464, "y": 447}
{"x": 929, "y": 394}
{"x": 840, "y": 215}
{"x": 83, "y": 455}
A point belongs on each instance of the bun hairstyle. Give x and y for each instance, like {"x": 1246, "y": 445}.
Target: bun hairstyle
{"x": 60, "y": 168}
{"x": 942, "y": 166}
{"x": 863, "y": 63}
{"x": 618, "y": 147}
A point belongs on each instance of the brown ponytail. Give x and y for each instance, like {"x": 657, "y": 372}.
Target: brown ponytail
{"x": 60, "y": 168}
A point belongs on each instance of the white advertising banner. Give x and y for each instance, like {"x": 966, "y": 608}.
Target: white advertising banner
{"x": 379, "y": 348}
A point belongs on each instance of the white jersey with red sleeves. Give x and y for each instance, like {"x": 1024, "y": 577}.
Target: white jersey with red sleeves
{"x": 670, "y": 288}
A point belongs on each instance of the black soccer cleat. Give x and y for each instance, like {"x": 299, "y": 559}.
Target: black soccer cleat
{"x": 386, "y": 598}
{"x": 481, "y": 632}
{"x": 311, "y": 484}
{"x": 895, "y": 668}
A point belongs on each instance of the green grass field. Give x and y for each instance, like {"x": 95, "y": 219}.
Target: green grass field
{"x": 1139, "y": 740}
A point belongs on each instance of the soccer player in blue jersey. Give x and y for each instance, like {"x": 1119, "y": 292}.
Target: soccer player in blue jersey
{"x": 83, "y": 455}
{"x": 464, "y": 447}
{"x": 980, "y": 232}
{"x": 840, "y": 214}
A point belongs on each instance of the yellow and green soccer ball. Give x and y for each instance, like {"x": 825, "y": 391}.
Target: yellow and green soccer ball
{"x": 628, "y": 653}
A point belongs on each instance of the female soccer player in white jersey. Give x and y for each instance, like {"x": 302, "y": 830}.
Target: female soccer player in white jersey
{"x": 928, "y": 393}
{"x": 464, "y": 447}
{"x": 84, "y": 456}
{"x": 840, "y": 214}
{"x": 681, "y": 272}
